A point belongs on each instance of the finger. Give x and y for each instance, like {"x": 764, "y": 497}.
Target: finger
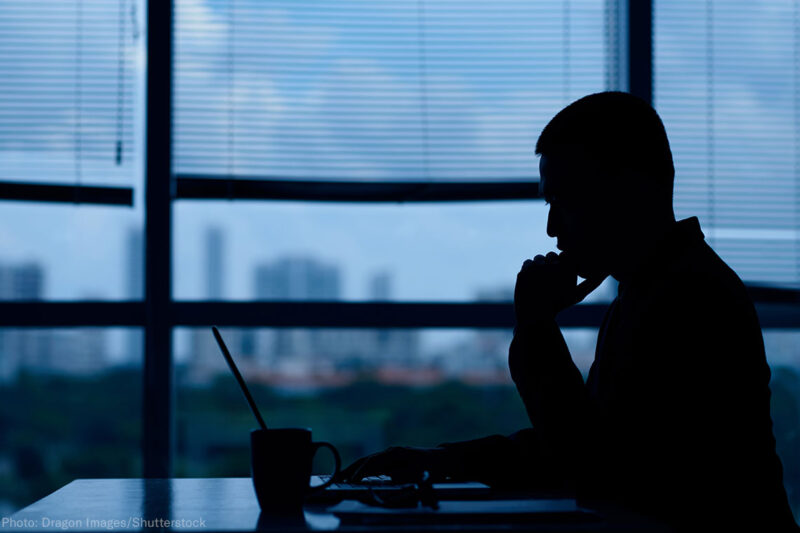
{"x": 551, "y": 257}
{"x": 586, "y": 287}
{"x": 538, "y": 260}
{"x": 349, "y": 473}
{"x": 404, "y": 468}
{"x": 365, "y": 470}
{"x": 376, "y": 464}
{"x": 395, "y": 462}
{"x": 406, "y": 475}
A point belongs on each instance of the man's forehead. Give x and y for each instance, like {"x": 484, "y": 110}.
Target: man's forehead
{"x": 559, "y": 174}
{"x": 552, "y": 171}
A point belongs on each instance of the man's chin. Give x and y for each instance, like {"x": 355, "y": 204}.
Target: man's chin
{"x": 591, "y": 272}
{"x": 583, "y": 268}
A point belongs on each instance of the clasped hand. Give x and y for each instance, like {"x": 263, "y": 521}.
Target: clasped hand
{"x": 548, "y": 284}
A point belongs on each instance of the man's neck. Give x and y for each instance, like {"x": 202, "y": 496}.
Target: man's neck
{"x": 642, "y": 244}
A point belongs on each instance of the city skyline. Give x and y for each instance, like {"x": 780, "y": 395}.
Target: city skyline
{"x": 294, "y": 355}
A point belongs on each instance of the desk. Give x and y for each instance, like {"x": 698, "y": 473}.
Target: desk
{"x": 223, "y": 504}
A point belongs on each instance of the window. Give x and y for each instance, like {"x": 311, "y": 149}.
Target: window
{"x": 71, "y": 130}
{"x": 69, "y": 86}
{"x": 356, "y": 252}
{"x": 71, "y": 168}
{"x": 70, "y": 403}
{"x": 726, "y": 86}
{"x": 359, "y": 90}
{"x": 332, "y": 115}
{"x": 380, "y": 96}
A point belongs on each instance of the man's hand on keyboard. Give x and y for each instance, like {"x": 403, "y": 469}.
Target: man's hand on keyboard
{"x": 404, "y": 465}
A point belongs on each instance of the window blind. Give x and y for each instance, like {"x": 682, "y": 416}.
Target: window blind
{"x": 67, "y": 82}
{"x": 379, "y": 91}
{"x": 726, "y": 86}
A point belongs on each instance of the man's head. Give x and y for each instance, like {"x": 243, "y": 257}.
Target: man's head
{"x": 606, "y": 170}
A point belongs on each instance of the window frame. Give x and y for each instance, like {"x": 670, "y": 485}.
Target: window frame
{"x": 158, "y": 314}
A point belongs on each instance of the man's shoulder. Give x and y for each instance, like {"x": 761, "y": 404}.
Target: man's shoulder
{"x": 700, "y": 276}
{"x": 694, "y": 289}
{"x": 699, "y": 308}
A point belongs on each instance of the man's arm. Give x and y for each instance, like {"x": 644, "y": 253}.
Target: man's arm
{"x": 553, "y": 391}
{"x": 549, "y": 383}
{"x": 508, "y": 462}
{"x": 518, "y": 461}
{"x": 547, "y": 380}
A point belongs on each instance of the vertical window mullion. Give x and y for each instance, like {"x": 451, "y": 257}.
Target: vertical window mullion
{"x": 158, "y": 392}
{"x": 640, "y": 48}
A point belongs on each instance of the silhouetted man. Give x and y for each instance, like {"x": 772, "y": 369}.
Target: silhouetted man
{"x": 673, "y": 420}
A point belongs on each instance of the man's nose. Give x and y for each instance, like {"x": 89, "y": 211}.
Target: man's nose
{"x": 551, "y": 223}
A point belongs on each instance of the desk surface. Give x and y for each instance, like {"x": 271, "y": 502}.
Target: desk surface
{"x": 225, "y": 504}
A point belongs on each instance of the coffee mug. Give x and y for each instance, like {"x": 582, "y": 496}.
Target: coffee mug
{"x": 281, "y": 467}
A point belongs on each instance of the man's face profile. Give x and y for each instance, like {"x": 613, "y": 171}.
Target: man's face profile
{"x": 577, "y": 218}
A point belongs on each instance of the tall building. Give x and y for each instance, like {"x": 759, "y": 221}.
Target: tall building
{"x": 380, "y": 287}
{"x": 205, "y": 359}
{"x": 214, "y": 263}
{"x": 77, "y": 352}
{"x": 134, "y": 290}
{"x": 134, "y": 264}
{"x": 21, "y": 282}
{"x": 342, "y": 349}
{"x": 393, "y": 347}
{"x": 292, "y": 350}
{"x": 298, "y": 278}
{"x": 480, "y": 356}
{"x": 22, "y": 347}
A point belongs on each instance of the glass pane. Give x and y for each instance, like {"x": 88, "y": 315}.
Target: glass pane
{"x": 306, "y": 251}
{"x": 362, "y": 389}
{"x": 71, "y": 408}
{"x": 72, "y": 112}
{"x": 401, "y": 90}
{"x": 725, "y": 84}
{"x": 783, "y": 355}
{"x": 71, "y": 91}
{"x": 69, "y": 252}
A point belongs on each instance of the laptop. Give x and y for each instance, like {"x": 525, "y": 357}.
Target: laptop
{"x": 384, "y": 487}
{"x": 380, "y": 485}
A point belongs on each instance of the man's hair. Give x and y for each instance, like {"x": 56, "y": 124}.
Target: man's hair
{"x": 618, "y": 131}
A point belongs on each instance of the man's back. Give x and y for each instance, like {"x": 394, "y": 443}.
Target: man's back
{"x": 678, "y": 396}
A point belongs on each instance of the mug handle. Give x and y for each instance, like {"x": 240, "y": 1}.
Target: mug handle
{"x": 317, "y": 446}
